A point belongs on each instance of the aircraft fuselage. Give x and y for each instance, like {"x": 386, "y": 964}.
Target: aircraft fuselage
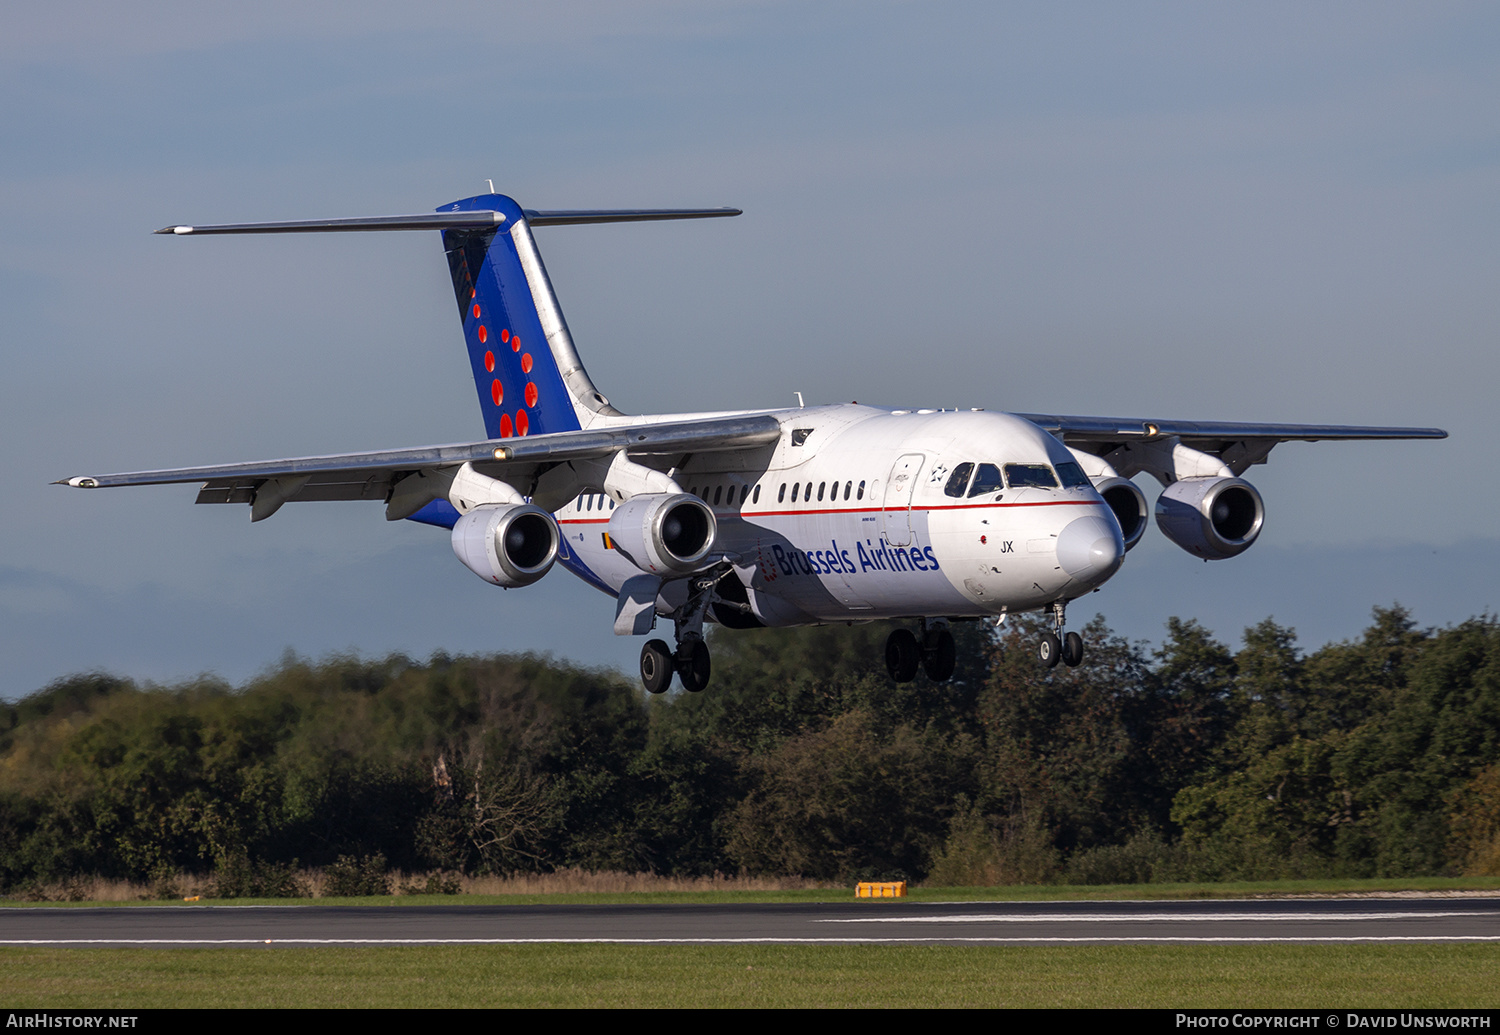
{"x": 855, "y": 514}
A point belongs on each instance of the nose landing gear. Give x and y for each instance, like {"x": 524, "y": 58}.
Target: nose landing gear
{"x": 1058, "y": 646}
{"x": 935, "y": 653}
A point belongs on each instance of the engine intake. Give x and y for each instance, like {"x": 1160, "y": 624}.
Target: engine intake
{"x": 509, "y": 545}
{"x": 1128, "y": 504}
{"x": 664, "y": 533}
{"x": 1212, "y": 518}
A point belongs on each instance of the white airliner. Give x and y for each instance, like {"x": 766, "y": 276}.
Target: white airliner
{"x": 800, "y": 516}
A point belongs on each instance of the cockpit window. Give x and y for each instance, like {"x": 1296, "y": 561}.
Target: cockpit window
{"x": 959, "y": 480}
{"x": 1072, "y": 476}
{"x": 986, "y": 480}
{"x": 1023, "y": 475}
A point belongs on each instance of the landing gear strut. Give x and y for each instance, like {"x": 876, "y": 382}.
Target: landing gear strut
{"x": 935, "y": 653}
{"x": 1056, "y": 646}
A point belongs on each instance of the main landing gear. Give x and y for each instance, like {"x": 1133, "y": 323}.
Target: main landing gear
{"x": 1057, "y": 646}
{"x": 935, "y": 652}
{"x": 690, "y": 661}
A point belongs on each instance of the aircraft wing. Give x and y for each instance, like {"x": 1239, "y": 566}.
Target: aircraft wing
{"x": 370, "y": 476}
{"x": 1239, "y": 445}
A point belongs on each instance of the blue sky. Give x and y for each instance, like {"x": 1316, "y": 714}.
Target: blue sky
{"x": 1278, "y": 212}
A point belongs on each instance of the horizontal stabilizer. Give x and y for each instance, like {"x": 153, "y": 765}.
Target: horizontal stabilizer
{"x": 471, "y": 220}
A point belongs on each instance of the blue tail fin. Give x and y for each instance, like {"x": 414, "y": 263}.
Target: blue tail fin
{"x": 528, "y": 374}
{"x": 526, "y": 370}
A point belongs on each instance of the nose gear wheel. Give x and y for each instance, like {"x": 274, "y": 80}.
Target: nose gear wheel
{"x": 1049, "y": 650}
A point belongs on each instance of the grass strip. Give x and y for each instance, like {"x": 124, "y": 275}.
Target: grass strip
{"x": 1320, "y": 977}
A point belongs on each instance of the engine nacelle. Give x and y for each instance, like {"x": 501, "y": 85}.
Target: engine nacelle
{"x": 1212, "y": 518}
{"x": 664, "y": 533}
{"x": 510, "y": 545}
{"x": 1128, "y": 503}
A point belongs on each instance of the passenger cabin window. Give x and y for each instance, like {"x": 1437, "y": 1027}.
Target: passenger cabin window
{"x": 781, "y": 493}
{"x": 795, "y": 487}
{"x": 986, "y": 480}
{"x": 861, "y": 494}
{"x": 756, "y": 497}
{"x": 821, "y": 487}
{"x": 718, "y": 495}
{"x": 957, "y": 481}
{"x": 1072, "y": 476}
{"x": 1035, "y": 475}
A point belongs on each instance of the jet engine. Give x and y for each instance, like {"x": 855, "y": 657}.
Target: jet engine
{"x": 510, "y": 545}
{"x": 1212, "y": 518}
{"x": 664, "y": 533}
{"x": 1128, "y": 503}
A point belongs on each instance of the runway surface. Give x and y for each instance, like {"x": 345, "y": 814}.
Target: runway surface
{"x": 867, "y": 922}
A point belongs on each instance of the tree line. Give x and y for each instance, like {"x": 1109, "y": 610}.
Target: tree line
{"x": 1373, "y": 757}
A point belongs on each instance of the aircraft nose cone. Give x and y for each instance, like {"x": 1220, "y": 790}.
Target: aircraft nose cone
{"x": 1090, "y": 549}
